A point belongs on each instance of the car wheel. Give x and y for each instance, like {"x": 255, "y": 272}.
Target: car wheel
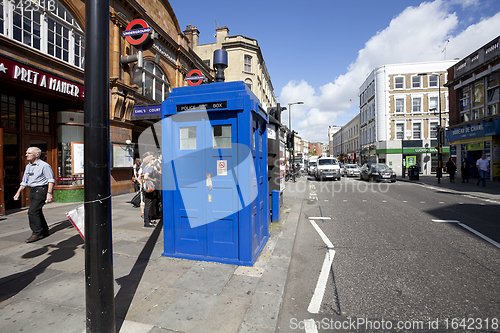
{"x": 370, "y": 179}
{"x": 393, "y": 181}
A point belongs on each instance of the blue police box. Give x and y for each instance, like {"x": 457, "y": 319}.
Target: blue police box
{"x": 215, "y": 189}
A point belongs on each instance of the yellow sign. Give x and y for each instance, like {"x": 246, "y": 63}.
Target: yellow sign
{"x": 481, "y": 139}
{"x": 496, "y": 169}
{"x": 475, "y": 146}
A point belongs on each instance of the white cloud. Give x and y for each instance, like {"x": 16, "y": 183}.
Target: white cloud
{"x": 417, "y": 34}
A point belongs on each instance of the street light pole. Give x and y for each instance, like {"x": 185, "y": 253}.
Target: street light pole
{"x": 293, "y": 143}
{"x": 440, "y": 143}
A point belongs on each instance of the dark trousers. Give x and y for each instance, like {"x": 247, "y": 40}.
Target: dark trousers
{"x": 149, "y": 199}
{"x": 38, "y": 224}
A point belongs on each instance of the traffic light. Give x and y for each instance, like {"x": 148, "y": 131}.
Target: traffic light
{"x": 290, "y": 138}
{"x": 441, "y": 135}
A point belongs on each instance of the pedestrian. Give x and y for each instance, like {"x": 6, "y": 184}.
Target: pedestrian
{"x": 451, "y": 168}
{"x": 465, "y": 170}
{"x": 483, "y": 167}
{"x": 150, "y": 179}
{"x": 38, "y": 176}
{"x": 135, "y": 177}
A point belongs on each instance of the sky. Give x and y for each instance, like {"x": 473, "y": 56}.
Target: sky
{"x": 319, "y": 52}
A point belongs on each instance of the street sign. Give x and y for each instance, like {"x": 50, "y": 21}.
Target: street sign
{"x": 195, "y": 77}
{"x": 137, "y": 32}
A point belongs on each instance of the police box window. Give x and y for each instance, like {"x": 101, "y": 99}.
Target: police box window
{"x": 222, "y": 136}
{"x": 187, "y": 138}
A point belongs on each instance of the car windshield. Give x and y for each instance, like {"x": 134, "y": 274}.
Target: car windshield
{"x": 380, "y": 167}
{"x": 351, "y": 166}
{"x": 312, "y": 163}
{"x": 327, "y": 161}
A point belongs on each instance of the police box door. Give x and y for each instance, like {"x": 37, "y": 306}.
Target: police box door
{"x": 206, "y": 198}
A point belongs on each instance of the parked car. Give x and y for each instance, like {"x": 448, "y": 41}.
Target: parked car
{"x": 377, "y": 172}
{"x": 351, "y": 170}
{"x": 328, "y": 167}
{"x": 313, "y": 162}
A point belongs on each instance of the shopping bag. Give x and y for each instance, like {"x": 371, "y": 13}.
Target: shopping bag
{"x": 149, "y": 186}
{"x": 77, "y": 218}
{"x": 136, "y": 200}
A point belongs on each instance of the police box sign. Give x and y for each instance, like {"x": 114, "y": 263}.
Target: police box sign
{"x": 202, "y": 106}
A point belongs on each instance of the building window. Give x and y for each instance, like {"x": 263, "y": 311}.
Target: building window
{"x": 36, "y": 116}
{"x": 433, "y": 80}
{"x": 152, "y": 82}
{"x": 55, "y": 32}
{"x": 493, "y": 94}
{"x": 417, "y": 127}
{"x": 26, "y": 26}
{"x": 8, "y": 109}
{"x": 249, "y": 83}
{"x": 400, "y": 129}
{"x": 399, "y": 82}
{"x": 417, "y": 105}
{"x": 400, "y": 105}
{"x": 433, "y": 104}
{"x": 433, "y": 129}
{"x": 464, "y": 96}
{"x": 478, "y": 100}
{"x": 416, "y": 81}
{"x": 248, "y": 64}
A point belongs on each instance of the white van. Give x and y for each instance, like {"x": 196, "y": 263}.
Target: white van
{"x": 328, "y": 167}
{"x": 312, "y": 163}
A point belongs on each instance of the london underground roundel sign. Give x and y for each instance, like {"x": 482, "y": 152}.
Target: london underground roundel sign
{"x": 137, "y": 32}
{"x": 195, "y": 77}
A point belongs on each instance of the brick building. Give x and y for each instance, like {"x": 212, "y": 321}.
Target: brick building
{"x": 41, "y": 83}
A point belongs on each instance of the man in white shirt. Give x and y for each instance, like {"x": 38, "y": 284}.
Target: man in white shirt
{"x": 483, "y": 166}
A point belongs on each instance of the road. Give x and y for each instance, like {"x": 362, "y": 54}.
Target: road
{"x": 393, "y": 257}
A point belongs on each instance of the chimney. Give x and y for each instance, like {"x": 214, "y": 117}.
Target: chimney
{"x": 221, "y": 33}
{"x": 193, "y": 35}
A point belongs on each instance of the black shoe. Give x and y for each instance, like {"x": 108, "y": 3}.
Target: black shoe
{"x": 149, "y": 225}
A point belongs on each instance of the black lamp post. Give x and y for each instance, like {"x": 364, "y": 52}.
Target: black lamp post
{"x": 293, "y": 143}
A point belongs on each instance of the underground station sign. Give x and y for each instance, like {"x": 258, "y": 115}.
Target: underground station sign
{"x": 137, "y": 32}
{"x": 195, "y": 77}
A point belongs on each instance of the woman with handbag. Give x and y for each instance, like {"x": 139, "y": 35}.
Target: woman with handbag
{"x": 150, "y": 178}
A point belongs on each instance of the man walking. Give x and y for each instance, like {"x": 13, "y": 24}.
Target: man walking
{"x": 39, "y": 178}
{"x": 483, "y": 166}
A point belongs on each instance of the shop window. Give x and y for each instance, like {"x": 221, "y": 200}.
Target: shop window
{"x": 70, "y": 151}
{"x": 187, "y": 138}
{"x": 8, "y": 111}
{"x": 222, "y": 136}
{"x": 152, "y": 82}
{"x": 464, "y": 96}
{"x": 416, "y": 82}
{"x": 417, "y": 129}
{"x": 58, "y": 35}
{"x": 248, "y": 64}
{"x": 399, "y": 82}
{"x": 36, "y": 116}
{"x": 493, "y": 94}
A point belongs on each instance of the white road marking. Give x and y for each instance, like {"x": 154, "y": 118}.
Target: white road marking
{"x": 405, "y": 201}
{"x": 319, "y": 291}
{"x": 310, "y": 326}
{"x": 486, "y": 238}
{"x": 322, "y": 235}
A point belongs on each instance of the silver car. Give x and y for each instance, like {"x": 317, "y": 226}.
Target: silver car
{"x": 351, "y": 170}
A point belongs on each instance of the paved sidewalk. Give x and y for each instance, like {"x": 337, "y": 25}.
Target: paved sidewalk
{"x": 491, "y": 191}
{"x": 42, "y": 283}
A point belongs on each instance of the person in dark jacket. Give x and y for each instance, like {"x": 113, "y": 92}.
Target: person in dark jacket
{"x": 465, "y": 170}
{"x": 451, "y": 168}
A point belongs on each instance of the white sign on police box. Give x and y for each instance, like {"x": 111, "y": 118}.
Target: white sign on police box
{"x": 222, "y": 168}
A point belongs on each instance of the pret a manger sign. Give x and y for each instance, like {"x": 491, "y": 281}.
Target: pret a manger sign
{"x": 20, "y": 73}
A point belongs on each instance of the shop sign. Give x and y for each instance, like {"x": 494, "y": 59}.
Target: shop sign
{"x": 475, "y": 146}
{"x": 67, "y": 179}
{"x": 16, "y": 72}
